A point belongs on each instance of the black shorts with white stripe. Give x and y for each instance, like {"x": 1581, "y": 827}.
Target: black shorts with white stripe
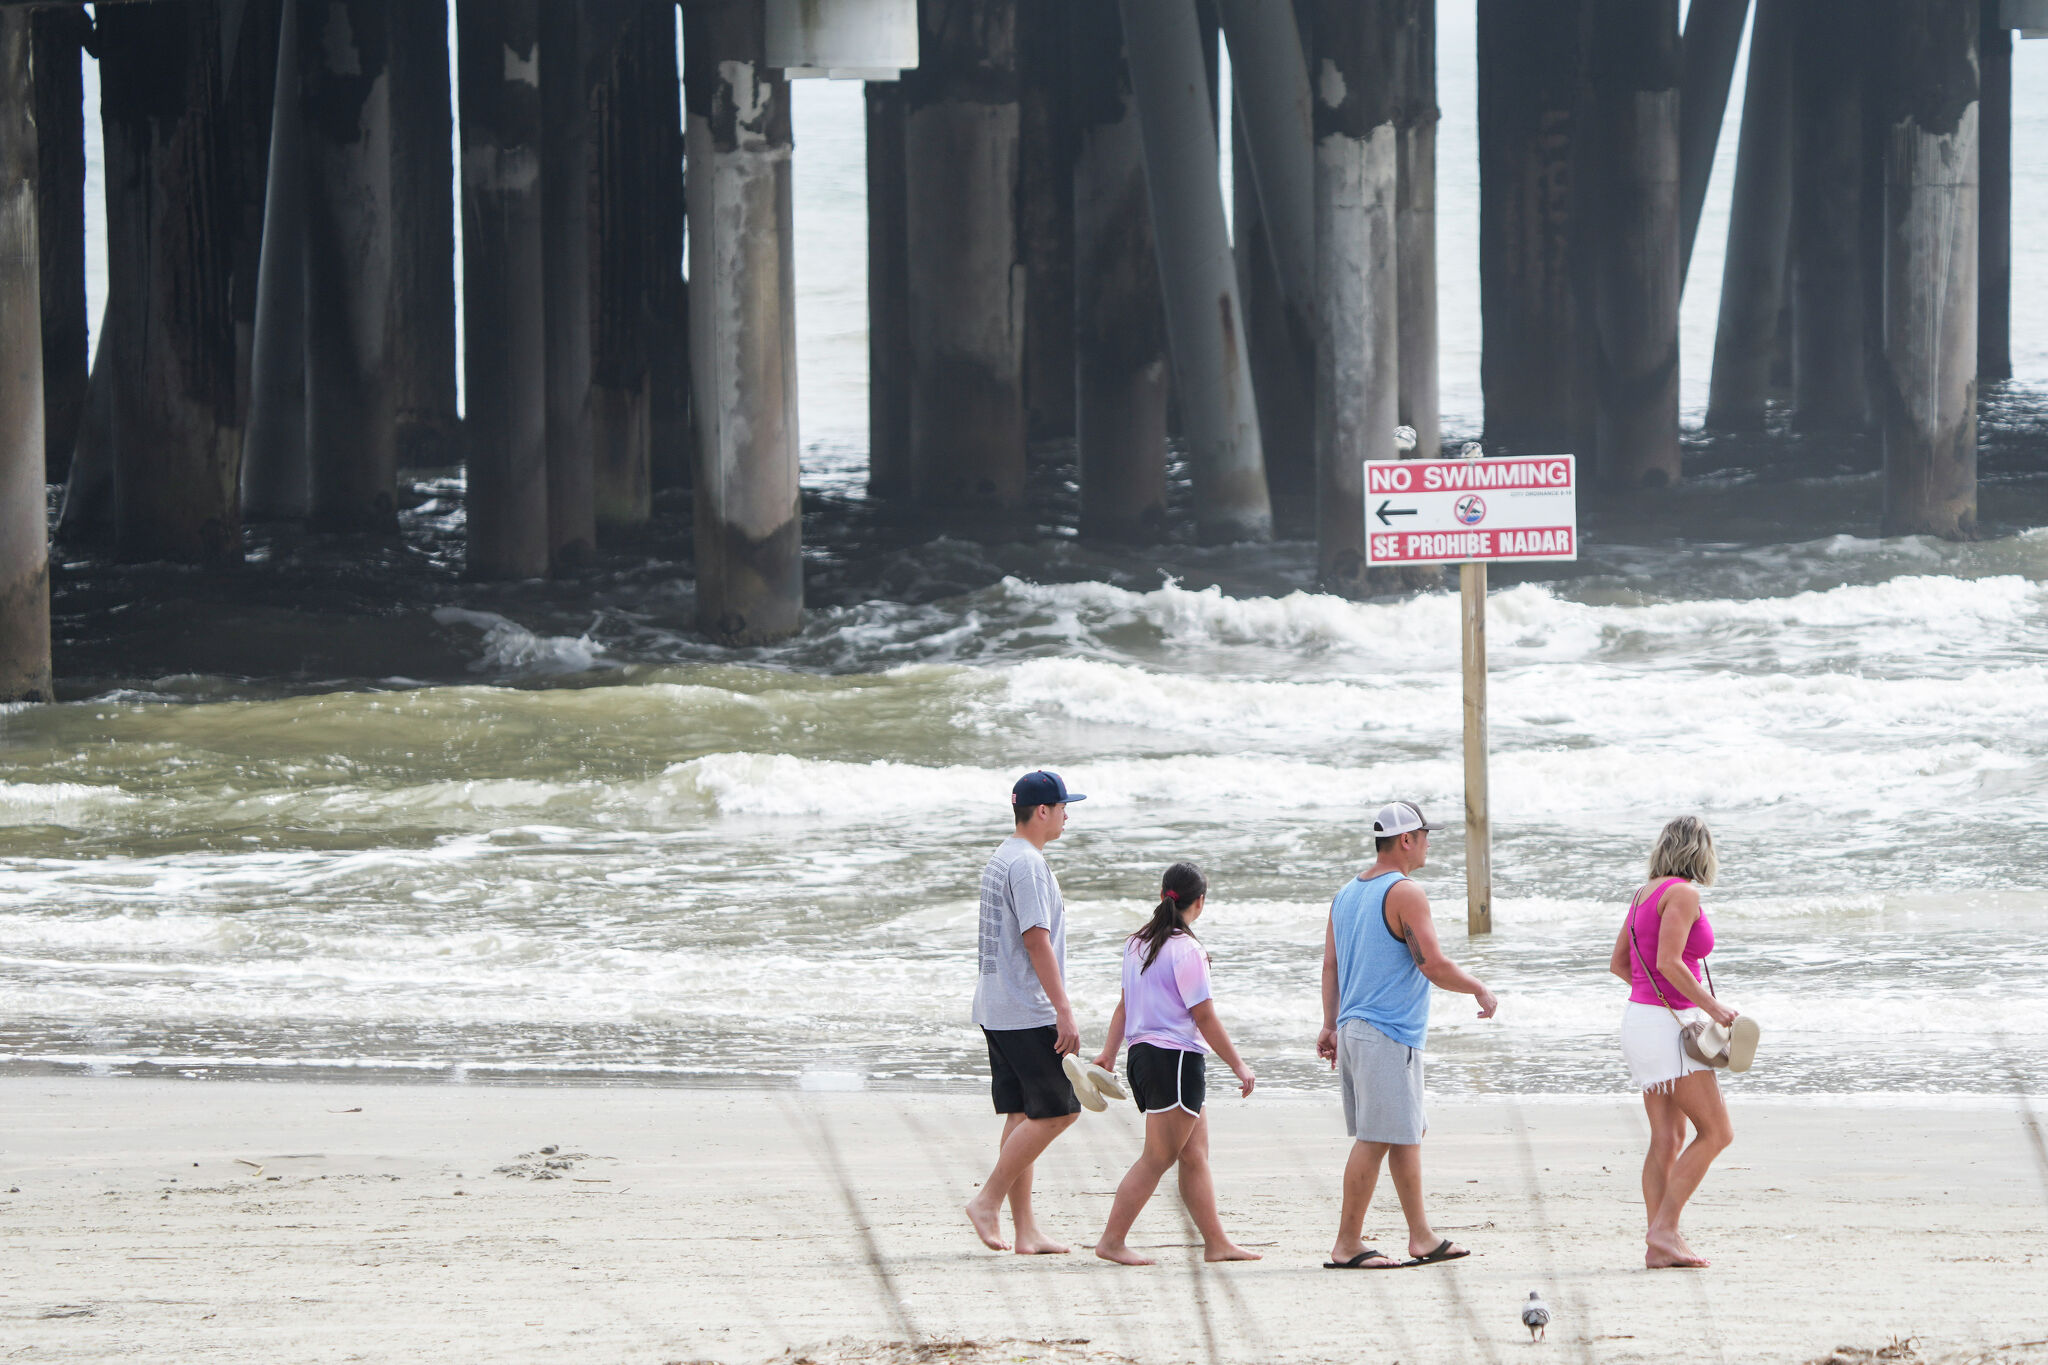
{"x": 1166, "y": 1078}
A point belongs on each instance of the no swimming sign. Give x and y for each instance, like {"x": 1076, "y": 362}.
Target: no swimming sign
{"x": 1519, "y": 507}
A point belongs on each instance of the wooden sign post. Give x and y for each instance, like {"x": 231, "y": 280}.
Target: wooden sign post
{"x": 1470, "y": 512}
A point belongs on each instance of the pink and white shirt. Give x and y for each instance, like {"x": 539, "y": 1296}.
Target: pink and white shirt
{"x": 1158, "y": 999}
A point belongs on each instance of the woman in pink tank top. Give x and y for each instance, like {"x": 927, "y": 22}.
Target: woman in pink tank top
{"x": 1661, "y": 952}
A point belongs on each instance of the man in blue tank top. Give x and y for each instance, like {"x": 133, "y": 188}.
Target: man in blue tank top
{"x": 1380, "y": 957}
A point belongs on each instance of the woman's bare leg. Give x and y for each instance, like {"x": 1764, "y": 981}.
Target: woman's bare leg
{"x": 1698, "y": 1095}
{"x": 1198, "y": 1192}
{"x": 1166, "y": 1132}
{"x": 1667, "y": 1136}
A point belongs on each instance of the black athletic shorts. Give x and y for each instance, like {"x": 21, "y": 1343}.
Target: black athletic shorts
{"x": 1165, "y": 1078}
{"x": 1025, "y": 1076}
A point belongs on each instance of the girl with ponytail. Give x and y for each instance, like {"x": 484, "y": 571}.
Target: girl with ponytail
{"x": 1169, "y": 1014}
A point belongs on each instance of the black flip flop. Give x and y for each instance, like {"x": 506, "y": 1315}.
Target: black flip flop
{"x": 1358, "y": 1262}
{"x": 1443, "y": 1252}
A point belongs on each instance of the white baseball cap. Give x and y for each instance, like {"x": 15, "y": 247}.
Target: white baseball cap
{"x": 1399, "y": 817}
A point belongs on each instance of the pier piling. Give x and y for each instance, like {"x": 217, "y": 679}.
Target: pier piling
{"x": 566, "y": 87}
{"x": 1357, "y": 331}
{"x": 629, "y": 194}
{"x": 1120, "y": 360}
{"x": 1415, "y": 120}
{"x": 58, "y": 82}
{"x": 276, "y": 481}
{"x": 1712, "y": 43}
{"x": 743, "y": 329}
{"x": 968, "y": 278}
{"x": 1753, "y": 285}
{"x": 1929, "y": 382}
{"x": 889, "y": 345}
{"x": 429, "y": 429}
{"x": 1533, "y": 367}
{"x": 1636, "y": 270}
{"x": 1994, "y": 230}
{"x": 24, "y": 535}
{"x": 175, "y": 429}
{"x": 1198, "y": 274}
{"x": 1045, "y": 217}
{"x": 351, "y": 394}
{"x": 1830, "y": 392}
{"x": 505, "y": 341}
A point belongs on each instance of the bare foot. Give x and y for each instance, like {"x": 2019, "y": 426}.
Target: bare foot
{"x": 1038, "y": 1244}
{"x": 1119, "y": 1253}
{"x": 1668, "y": 1253}
{"x": 987, "y": 1226}
{"x": 1230, "y": 1251}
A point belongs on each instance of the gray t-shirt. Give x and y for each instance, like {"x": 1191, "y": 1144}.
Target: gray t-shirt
{"x": 1018, "y": 892}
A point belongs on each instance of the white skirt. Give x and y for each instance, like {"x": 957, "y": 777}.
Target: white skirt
{"x": 1651, "y": 1046}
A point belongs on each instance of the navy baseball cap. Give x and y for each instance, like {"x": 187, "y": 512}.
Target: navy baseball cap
{"x": 1042, "y": 789}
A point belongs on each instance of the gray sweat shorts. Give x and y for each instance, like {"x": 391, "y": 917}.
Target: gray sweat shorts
{"x": 1382, "y": 1082}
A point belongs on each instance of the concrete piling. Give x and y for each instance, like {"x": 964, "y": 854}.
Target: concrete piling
{"x": 1198, "y": 277}
{"x": 1045, "y": 217}
{"x": 276, "y": 480}
{"x": 1753, "y": 285}
{"x": 1274, "y": 232}
{"x": 889, "y": 345}
{"x": 1120, "y": 360}
{"x": 1994, "y": 220}
{"x": 1828, "y": 214}
{"x": 1533, "y": 369}
{"x": 174, "y": 428}
{"x": 1929, "y": 76}
{"x": 743, "y": 329}
{"x": 58, "y": 35}
{"x": 24, "y": 536}
{"x": 1415, "y": 120}
{"x": 505, "y": 350}
{"x": 625, "y": 295}
{"x": 1357, "y": 170}
{"x": 1636, "y": 273}
{"x": 565, "y": 96}
{"x": 968, "y": 279}
{"x": 1713, "y": 41}
{"x": 659, "y": 183}
{"x": 423, "y": 216}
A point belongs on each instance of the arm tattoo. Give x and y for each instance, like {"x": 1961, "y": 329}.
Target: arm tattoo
{"x": 1414, "y": 948}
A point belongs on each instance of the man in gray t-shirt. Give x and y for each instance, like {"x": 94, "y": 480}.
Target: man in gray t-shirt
{"x": 1020, "y": 1001}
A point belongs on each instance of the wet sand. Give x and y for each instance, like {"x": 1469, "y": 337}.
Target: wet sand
{"x": 248, "y": 1221}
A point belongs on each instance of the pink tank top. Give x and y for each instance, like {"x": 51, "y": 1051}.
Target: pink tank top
{"x": 1643, "y": 924}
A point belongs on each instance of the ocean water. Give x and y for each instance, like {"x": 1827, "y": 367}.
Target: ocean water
{"x": 563, "y": 838}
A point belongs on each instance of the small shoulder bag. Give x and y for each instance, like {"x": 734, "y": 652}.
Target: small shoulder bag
{"x": 1705, "y": 1041}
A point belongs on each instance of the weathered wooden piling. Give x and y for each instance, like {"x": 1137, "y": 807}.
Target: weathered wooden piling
{"x": 504, "y": 315}
{"x": 671, "y": 440}
{"x": 967, "y": 274}
{"x": 889, "y": 345}
{"x": 1713, "y": 41}
{"x": 1198, "y": 276}
{"x": 1274, "y": 231}
{"x": 1830, "y": 392}
{"x": 1357, "y": 356}
{"x": 1636, "y": 277}
{"x": 1415, "y": 120}
{"x": 1753, "y": 285}
{"x": 276, "y": 480}
{"x": 1533, "y": 369}
{"x": 174, "y": 427}
{"x": 1045, "y": 218}
{"x": 423, "y": 355}
{"x": 743, "y": 325}
{"x": 627, "y": 122}
{"x": 1120, "y": 360}
{"x": 24, "y": 536}
{"x": 1930, "y": 124}
{"x": 566, "y": 88}
{"x": 58, "y": 35}
{"x": 351, "y": 393}
{"x": 249, "y": 106}
{"x": 1994, "y": 222}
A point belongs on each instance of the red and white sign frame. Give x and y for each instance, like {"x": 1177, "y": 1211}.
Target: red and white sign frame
{"x": 1512, "y": 509}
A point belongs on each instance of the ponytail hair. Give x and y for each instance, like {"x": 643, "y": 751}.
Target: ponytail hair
{"x": 1181, "y": 886}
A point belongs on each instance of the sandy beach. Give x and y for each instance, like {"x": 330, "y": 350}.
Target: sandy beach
{"x": 247, "y": 1221}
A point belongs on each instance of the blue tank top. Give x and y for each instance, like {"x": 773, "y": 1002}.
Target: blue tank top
{"x": 1377, "y": 979}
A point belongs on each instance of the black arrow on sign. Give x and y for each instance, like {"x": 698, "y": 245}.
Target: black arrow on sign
{"x": 1383, "y": 513}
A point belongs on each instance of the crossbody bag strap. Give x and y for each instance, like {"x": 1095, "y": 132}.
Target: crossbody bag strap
{"x": 1648, "y": 973}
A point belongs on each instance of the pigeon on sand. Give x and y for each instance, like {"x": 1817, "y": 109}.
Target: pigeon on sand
{"x": 1535, "y": 1315}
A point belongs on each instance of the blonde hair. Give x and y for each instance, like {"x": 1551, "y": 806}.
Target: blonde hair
{"x": 1685, "y": 849}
